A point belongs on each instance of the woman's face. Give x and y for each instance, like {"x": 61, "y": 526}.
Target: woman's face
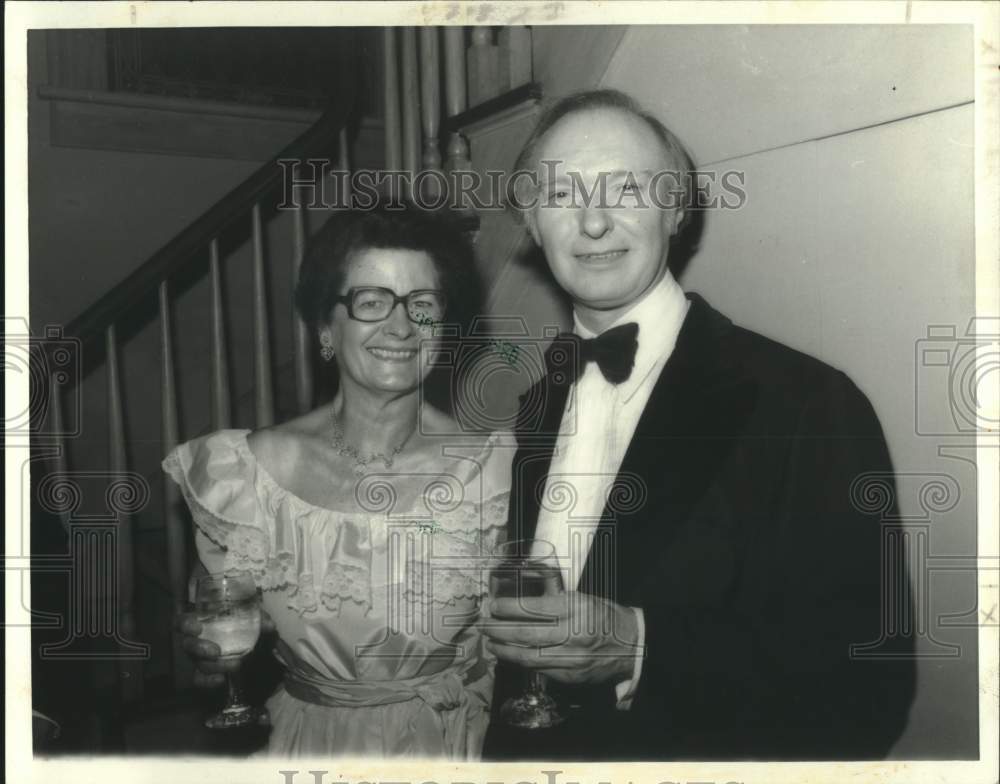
{"x": 389, "y": 355}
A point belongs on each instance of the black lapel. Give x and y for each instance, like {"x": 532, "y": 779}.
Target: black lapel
{"x": 538, "y": 422}
{"x": 699, "y": 404}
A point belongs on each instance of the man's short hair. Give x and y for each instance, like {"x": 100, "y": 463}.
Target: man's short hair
{"x": 589, "y": 100}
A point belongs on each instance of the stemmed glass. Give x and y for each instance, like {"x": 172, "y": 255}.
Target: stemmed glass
{"x": 228, "y": 608}
{"x": 527, "y": 568}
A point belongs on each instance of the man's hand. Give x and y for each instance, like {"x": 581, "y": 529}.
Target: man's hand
{"x": 209, "y": 670}
{"x": 573, "y": 637}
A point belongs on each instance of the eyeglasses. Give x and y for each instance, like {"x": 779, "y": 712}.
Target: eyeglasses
{"x": 375, "y": 303}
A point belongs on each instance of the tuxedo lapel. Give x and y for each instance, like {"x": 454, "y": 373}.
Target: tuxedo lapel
{"x": 538, "y": 423}
{"x": 699, "y": 403}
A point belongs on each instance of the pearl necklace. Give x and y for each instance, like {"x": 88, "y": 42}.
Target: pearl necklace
{"x": 361, "y": 463}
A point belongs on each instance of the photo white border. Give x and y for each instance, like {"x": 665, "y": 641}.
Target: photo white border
{"x": 21, "y": 16}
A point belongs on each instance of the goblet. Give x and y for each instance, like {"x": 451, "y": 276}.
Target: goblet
{"x": 527, "y": 568}
{"x": 228, "y": 608}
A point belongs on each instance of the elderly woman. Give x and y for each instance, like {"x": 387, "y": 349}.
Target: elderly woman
{"x": 364, "y": 522}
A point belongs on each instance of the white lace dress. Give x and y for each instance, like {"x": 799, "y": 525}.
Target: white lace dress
{"x": 373, "y": 604}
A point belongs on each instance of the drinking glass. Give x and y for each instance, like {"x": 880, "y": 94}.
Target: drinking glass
{"x": 526, "y": 568}
{"x": 228, "y": 608}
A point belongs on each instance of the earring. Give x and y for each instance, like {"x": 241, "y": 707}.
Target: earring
{"x": 326, "y": 350}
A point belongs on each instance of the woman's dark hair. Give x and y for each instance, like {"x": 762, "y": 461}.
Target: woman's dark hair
{"x": 331, "y": 250}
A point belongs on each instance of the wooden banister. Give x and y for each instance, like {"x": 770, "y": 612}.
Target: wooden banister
{"x": 187, "y": 248}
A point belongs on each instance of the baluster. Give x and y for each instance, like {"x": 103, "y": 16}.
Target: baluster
{"x": 514, "y": 43}
{"x": 221, "y": 417}
{"x": 484, "y": 67}
{"x": 454, "y": 70}
{"x": 458, "y": 153}
{"x": 303, "y": 367}
{"x": 174, "y": 524}
{"x": 263, "y": 391}
{"x": 430, "y": 97}
{"x": 344, "y": 165}
{"x": 393, "y": 129}
{"x": 411, "y": 108}
{"x": 454, "y": 88}
{"x": 60, "y": 462}
{"x": 121, "y": 586}
{"x": 459, "y": 161}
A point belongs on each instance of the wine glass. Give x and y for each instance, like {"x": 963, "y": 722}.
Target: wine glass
{"x": 527, "y": 568}
{"x": 228, "y": 608}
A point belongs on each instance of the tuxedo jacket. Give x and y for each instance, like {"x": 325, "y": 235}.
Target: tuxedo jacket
{"x": 742, "y": 523}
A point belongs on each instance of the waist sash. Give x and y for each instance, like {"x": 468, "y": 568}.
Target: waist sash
{"x": 443, "y": 690}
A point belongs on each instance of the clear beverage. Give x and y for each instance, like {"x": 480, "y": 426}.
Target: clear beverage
{"x": 228, "y": 607}
{"x": 517, "y": 579}
{"x": 526, "y": 569}
{"x": 234, "y": 627}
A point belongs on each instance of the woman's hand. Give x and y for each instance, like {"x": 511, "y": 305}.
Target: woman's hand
{"x": 209, "y": 670}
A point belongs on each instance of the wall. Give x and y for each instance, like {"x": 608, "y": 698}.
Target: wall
{"x": 857, "y": 235}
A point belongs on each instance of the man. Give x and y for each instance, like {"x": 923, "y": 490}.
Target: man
{"x": 729, "y": 574}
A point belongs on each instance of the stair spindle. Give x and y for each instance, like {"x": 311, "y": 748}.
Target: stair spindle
{"x": 60, "y": 462}
{"x": 221, "y": 413}
{"x": 393, "y": 128}
{"x": 430, "y": 95}
{"x": 121, "y": 584}
{"x": 454, "y": 70}
{"x": 484, "y": 67}
{"x": 174, "y": 520}
{"x": 263, "y": 390}
{"x": 303, "y": 367}
{"x": 344, "y": 165}
{"x": 459, "y": 160}
{"x": 411, "y": 108}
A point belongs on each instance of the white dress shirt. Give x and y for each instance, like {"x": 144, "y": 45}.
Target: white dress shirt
{"x": 597, "y": 427}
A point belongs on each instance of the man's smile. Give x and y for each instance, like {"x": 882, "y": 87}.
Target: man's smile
{"x": 601, "y": 258}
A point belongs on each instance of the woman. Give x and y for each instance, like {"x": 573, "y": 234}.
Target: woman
{"x": 365, "y": 521}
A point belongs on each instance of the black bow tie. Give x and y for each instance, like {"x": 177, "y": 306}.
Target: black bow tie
{"x": 613, "y": 351}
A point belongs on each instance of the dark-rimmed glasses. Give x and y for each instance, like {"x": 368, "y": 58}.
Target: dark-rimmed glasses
{"x": 375, "y": 303}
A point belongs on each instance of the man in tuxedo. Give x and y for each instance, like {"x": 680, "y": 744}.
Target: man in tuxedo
{"x": 718, "y": 565}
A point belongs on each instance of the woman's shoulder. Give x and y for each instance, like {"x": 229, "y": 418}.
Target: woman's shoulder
{"x": 480, "y": 458}
{"x": 278, "y": 449}
{"x": 435, "y": 423}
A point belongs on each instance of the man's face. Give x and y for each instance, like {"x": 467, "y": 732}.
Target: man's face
{"x": 608, "y": 253}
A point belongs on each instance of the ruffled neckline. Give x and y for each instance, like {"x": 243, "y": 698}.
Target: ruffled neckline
{"x": 323, "y": 556}
{"x": 242, "y": 446}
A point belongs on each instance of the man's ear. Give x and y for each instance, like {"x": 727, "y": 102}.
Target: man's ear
{"x": 531, "y": 222}
{"x": 673, "y": 218}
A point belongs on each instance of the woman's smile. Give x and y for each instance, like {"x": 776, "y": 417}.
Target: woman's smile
{"x": 393, "y": 354}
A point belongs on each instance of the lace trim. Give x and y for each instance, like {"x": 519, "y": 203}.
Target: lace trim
{"x": 468, "y": 530}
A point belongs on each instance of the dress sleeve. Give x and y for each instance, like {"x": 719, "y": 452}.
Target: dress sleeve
{"x": 216, "y": 475}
